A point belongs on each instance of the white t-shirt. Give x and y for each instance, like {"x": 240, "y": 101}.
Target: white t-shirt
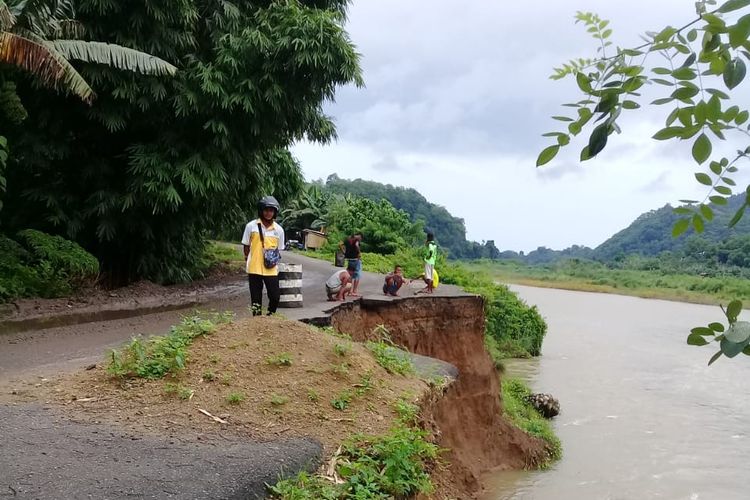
{"x": 273, "y": 237}
{"x": 334, "y": 282}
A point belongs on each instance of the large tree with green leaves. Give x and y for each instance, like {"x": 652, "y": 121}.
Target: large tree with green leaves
{"x": 449, "y": 230}
{"x": 384, "y": 228}
{"x": 699, "y": 65}
{"x": 34, "y": 37}
{"x": 140, "y": 176}
{"x": 308, "y": 210}
{"x": 42, "y": 37}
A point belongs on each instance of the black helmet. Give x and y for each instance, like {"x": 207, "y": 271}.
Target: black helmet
{"x": 268, "y": 201}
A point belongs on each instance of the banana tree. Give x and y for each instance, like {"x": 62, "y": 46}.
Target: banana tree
{"x": 308, "y": 210}
{"x": 39, "y": 36}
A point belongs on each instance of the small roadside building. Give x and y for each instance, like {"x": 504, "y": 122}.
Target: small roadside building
{"x": 314, "y": 239}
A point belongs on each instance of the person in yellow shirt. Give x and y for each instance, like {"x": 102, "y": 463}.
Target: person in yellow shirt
{"x": 261, "y": 242}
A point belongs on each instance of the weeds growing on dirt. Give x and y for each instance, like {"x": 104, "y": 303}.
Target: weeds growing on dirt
{"x": 365, "y": 384}
{"x": 313, "y": 396}
{"x": 158, "y": 356}
{"x": 394, "y": 465}
{"x": 341, "y": 369}
{"x": 282, "y": 359}
{"x": 279, "y": 400}
{"x": 388, "y": 355}
{"x": 342, "y": 349}
{"x": 178, "y": 390}
{"x": 342, "y": 400}
{"x": 208, "y": 376}
{"x": 329, "y": 330}
{"x": 235, "y": 398}
{"x": 406, "y": 411}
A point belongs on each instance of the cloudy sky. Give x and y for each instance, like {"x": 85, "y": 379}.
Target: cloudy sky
{"x": 457, "y": 96}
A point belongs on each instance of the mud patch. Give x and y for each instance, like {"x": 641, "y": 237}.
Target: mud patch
{"x": 99, "y": 304}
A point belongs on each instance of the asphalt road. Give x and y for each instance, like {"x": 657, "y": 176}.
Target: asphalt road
{"x": 43, "y": 352}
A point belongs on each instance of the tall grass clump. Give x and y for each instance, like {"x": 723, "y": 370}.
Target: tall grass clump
{"x": 394, "y": 465}
{"x": 159, "y": 356}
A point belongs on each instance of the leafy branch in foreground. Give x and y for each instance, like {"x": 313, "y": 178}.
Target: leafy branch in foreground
{"x": 699, "y": 64}
{"x": 733, "y": 339}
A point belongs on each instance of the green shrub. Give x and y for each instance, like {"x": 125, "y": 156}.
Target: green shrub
{"x": 61, "y": 262}
{"x": 40, "y": 265}
{"x": 218, "y": 254}
{"x": 391, "y": 466}
{"x": 16, "y": 278}
{"x": 525, "y": 417}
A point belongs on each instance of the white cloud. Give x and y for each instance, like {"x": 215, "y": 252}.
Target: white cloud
{"x": 456, "y": 101}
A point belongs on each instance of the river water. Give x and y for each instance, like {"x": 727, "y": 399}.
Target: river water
{"x": 642, "y": 416}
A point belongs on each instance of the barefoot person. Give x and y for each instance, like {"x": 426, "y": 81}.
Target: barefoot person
{"x": 339, "y": 284}
{"x": 393, "y": 282}
{"x": 262, "y": 254}
{"x": 352, "y": 253}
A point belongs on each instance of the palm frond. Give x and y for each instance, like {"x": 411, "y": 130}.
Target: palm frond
{"x": 113, "y": 55}
{"x": 16, "y": 6}
{"x": 7, "y": 19}
{"x": 43, "y": 17}
{"x": 69, "y": 28}
{"x": 42, "y": 61}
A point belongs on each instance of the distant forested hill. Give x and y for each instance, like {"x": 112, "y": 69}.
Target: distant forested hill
{"x": 450, "y": 231}
{"x": 651, "y": 233}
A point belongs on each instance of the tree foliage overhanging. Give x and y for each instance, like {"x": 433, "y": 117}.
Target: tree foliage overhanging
{"x": 138, "y": 177}
{"x": 700, "y": 66}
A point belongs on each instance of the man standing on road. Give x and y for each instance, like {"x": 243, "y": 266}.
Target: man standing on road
{"x": 261, "y": 242}
{"x": 430, "y": 256}
{"x": 352, "y": 253}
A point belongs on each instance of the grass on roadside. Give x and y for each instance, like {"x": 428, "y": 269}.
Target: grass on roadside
{"x": 162, "y": 355}
{"x": 394, "y": 465}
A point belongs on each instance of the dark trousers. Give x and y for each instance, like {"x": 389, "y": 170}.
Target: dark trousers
{"x": 256, "y": 281}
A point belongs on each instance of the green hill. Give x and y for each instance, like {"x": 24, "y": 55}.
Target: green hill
{"x": 450, "y": 231}
{"x": 651, "y": 233}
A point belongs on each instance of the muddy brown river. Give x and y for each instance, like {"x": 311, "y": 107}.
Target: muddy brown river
{"x": 643, "y": 417}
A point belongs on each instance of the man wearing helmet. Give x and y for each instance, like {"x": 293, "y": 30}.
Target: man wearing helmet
{"x": 261, "y": 242}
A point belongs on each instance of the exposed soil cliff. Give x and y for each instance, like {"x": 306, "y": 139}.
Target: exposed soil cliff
{"x": 468, "y": 418}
